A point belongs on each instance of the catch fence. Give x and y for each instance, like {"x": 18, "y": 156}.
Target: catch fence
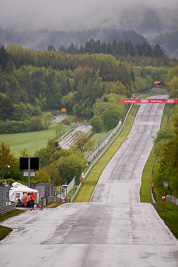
{"x": 4, "y": 195}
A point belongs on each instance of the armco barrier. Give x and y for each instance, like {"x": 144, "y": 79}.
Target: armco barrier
{"x": 54, "y": 199}
{"x": 7, "y": 208}
{"x": 108, "y": 143}
{"x": 172, "y": 200}
{"x": 4, "y": 195}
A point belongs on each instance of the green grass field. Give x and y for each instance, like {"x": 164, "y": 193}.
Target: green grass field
{"x": 31, "y": 141}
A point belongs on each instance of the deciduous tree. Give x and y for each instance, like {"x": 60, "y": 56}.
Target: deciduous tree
{"x": 47, "y": 119}
{"x": 70, "y": 166}
{"x": 6, "y": 158}
{"x": 81, "y": 142}
{"x": 96, "y": 123}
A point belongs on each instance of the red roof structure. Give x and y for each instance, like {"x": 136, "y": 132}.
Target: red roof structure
{"x": 157, "y": 82}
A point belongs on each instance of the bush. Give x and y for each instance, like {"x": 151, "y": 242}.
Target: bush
{"x": 33, "y": 124}
{"x": 96, "y": 123}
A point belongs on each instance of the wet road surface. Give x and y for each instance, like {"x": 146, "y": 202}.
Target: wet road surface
{"x": 114, "y": 229}
{"x": 67, "y": 142}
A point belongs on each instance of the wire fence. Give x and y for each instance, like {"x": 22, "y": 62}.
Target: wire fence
{"x": 4, "y": 195}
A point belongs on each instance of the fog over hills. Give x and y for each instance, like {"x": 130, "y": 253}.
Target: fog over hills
{"x": 36, "y": 24}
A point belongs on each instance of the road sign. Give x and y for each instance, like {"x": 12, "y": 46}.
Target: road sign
{"x": 29, "y": 163}
{"x": 63, "y": 109}
{"x": 165, "y": 184}
{"x": 32, "y": 174}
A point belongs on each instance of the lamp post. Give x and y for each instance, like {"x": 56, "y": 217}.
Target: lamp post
{"x": 8, "y": 166}
{"x": 165, "y": 184}
{"x": 65, "y": 186}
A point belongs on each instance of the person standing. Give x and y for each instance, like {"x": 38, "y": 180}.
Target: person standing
{"x": 32, "y": 199}
{"x": 29, "y": 200}
{"x": 25, "y": 199}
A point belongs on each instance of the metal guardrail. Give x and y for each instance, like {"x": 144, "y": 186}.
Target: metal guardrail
{"x": 103, "y": 144}
{"x": 7, "y": 208}
{"x": 107, "y": 145}
{"x": 53, "y": 199}
{"x": 4, "y": 195}
{"x": 172, "y": 199}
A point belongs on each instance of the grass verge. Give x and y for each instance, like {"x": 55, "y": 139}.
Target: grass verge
{"x": 169, "y": 213}
{"x": 91, "y": 180}
{"x": 145, "y": 190}
{"x": 4, "y": 231}
{"x": 53, "y": 205}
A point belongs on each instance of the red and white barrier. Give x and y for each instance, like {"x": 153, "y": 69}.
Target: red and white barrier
{"x": 152, "y": 101}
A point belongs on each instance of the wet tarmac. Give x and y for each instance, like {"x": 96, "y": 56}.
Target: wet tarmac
{"x": 113, "y": 229}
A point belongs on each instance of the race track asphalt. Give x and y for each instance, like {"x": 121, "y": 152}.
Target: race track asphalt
{"x": 113, "y": 229}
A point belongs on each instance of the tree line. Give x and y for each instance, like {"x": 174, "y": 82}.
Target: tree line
{"x": 34, "y": 81}
{"x": 114, "y": 48}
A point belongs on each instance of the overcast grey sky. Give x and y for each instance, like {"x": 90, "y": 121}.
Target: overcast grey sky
{"x": 63, "y": 14}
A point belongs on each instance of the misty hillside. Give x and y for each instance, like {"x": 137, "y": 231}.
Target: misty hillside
{"x": 136, "y": 23}
{"x": 42, "y": 38}
{"x": 156, "y": 25}
{"x": 144, "y": 20}
{"x": 169, "y": 41}
{"x": 159, "y": 26}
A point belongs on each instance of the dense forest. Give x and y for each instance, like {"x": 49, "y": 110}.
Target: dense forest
{"x": 115, "y": 49}
{"x": 34, "y": 81}
{"x": 89, "y": 85}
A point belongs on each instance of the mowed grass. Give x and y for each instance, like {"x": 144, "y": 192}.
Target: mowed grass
{"x": 31, "y": 141}
{"x": 145, "y": 190}
{"x": 4, "y": 231}
{"x": 91, "y": 180}
{"x": 169, "y": 213}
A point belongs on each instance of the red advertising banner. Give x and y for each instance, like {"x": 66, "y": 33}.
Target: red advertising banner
{"x": 152, "y": 101}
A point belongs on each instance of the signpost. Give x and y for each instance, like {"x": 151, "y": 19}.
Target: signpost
{"x": 29, "y": 163}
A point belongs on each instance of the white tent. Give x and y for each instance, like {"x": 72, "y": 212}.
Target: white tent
{"x": 17, "y": 190}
